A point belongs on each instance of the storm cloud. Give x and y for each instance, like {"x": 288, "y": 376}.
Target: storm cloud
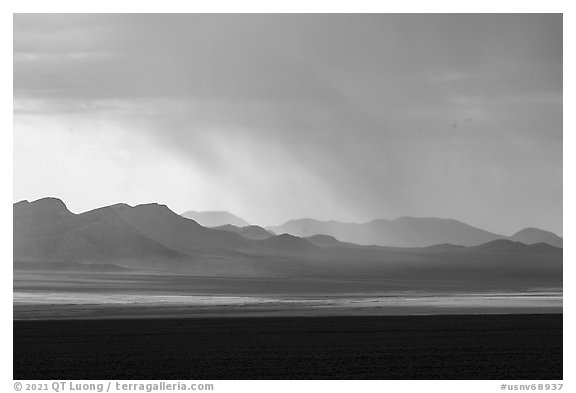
{"x": 273, "y": 117}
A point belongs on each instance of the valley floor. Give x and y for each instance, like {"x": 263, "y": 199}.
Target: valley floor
{"x": 361, "y": 347}
{"x": 146, "y": 326}
{"x": 85, "y": 296}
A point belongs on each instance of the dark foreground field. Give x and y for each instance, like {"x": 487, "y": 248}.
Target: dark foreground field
{"x": 392, "y": 347}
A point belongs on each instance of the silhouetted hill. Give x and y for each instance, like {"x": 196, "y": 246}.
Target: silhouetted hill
{"x": 326, "y": 241}
{"x": 40, "y": 211}
{"x": 443, "y": 247}
{"x": 145, "y": 236}
{"x": 288, "y": 243}
{"x": 402, "y": 232}
{"x": 250, "y": 232}
{"x": 160, "y": 223}
{"x": 215, "y": 218}
{"x": 509, "y": 246}
{"x": 535, "y": 235}
{"x": 45, "y": 232}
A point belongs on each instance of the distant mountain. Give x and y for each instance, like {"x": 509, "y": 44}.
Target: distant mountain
{"x": 215, "y": 218}
{"x": 535, "y": 235}
{"x": 509, "y": 246}
{"x": 47, "y": 236}
{"x": 250, "y": 232}
{"x": 325, "y": 241}
{"x": 443, "y": 247}
{"x": 402, "y": 232}
{"x": 288, "y": 243}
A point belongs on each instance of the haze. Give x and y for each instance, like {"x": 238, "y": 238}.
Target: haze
{"x": 274, "y": 117}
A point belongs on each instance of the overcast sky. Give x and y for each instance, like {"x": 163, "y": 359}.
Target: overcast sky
{"x": 273, "y": 117}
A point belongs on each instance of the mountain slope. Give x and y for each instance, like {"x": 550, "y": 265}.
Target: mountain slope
{"x": 325, "y": 241}
{"x": 46, "y": 230}
{"x": 510, "y": 246}
{"x": 535, "y": 235}
{"x": 162, "y": 224}
{"x": 253, "y": 232}
{"x": 152, "y": 237}
{"x": 145, "y": 236}
{"x": 215, "y": 218}
{"x": 402, "y": 232}
{"x": 286, "y": 243}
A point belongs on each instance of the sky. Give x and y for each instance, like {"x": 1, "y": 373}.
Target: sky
{"x": 349, "y": 117}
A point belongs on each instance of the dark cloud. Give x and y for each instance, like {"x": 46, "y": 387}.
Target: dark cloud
{"x": 385, "y": 115}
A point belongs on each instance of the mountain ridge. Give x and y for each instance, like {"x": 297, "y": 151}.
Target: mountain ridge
{"x": 151, "y": 237}
{"x": 254, "y": 232}
{"x": 532, "y": 235}
{"x": 215, "y": 218}
{"x": 406, "y": 231}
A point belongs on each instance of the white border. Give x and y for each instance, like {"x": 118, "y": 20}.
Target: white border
{"x": 295, "y": 6}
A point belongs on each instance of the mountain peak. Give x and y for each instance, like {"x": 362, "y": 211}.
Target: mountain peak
{"x": 287, "y": 242}
{"x": 43, "y": 207}
{"x": 533, "y": 230}
{"x": 153, "y": 207}
{"x": 323, "y": 240}
{"x": 401, "y": 232}
{"x": 253, "y": 232}
{"x": 215, "y": 218}
{"x": 49, "y": 202}
{"x": 511, "y": 246}
{"x": 535, "y": 235}
{"x": 120, "y": 206}
{"x": 499, "y": 243}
